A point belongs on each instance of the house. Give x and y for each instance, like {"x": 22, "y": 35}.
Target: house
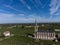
{"x": 45, "y": 34}
{"x": 6, "y": 33}
{"x": 57, "y": 30}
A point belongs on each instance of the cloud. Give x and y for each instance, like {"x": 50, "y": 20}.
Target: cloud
{"x": 54, "y": 6}
{"x": 34, "y": 4}
{"x": 13, "y": 8}
{"x": 45, "y": 4}
{"x": 22, "y": 18}
{"x": 38, "y": 2}
{"x": 24, "y": 3}
{"x": 21, "y": 14}
{"x": 5, "y": 11}
{"x": 14, "y": 18}
{"x": 11, "y": 1}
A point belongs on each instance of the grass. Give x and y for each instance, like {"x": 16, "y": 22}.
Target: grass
{"x": 17, "y": 40}
{"x": 21, "y": 39}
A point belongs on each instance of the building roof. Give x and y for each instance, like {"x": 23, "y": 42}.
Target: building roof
{"x": 46, "y": 31}
{"x": 6, "y": 32}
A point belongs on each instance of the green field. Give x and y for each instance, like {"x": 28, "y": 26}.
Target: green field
{"x": 20, "y": 37}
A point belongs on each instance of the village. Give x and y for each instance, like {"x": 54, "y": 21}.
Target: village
{"x": 29, "y": 22}
{"x": 35, "y": 33}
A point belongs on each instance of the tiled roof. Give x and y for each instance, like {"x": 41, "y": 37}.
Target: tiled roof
{"x": 45, "y": 31}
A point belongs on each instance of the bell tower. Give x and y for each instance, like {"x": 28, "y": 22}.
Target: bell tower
{"x": 36, "y": 26}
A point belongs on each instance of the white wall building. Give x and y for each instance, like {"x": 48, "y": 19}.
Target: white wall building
{"x": 57, "y": 30}
{"x": 45, "y": 35}
{"x": 6, "y": 33}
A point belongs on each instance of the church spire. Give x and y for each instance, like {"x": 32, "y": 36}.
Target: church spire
{"x": 36, "y": 26}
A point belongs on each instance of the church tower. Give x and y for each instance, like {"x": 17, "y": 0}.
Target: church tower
{"x": 36, "y": 26}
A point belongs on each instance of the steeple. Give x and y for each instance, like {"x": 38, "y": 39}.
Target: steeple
{"x": 36, "y": 26}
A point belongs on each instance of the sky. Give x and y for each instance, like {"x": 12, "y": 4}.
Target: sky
{"x": 26, "y": 11}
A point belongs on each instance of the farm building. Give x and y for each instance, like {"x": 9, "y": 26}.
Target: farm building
{"x": 6, "y": 33}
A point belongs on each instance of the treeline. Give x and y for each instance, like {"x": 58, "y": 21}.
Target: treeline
{"x": 40, "y": 25}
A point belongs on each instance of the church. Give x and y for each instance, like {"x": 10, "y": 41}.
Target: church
{"x": 43, "y": 34}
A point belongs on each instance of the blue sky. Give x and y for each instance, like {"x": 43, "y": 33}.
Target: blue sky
{"x": 26, "y": 11}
